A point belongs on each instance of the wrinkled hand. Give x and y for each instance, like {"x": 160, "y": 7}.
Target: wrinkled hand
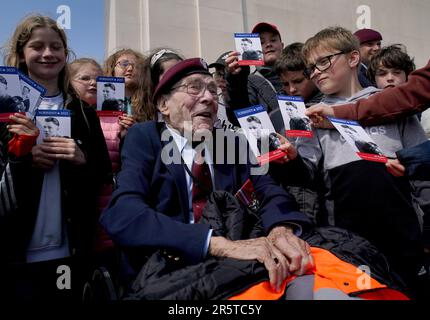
{"x": 395, "y": 167}
{"x": 232, "y": 62}
{"x": 288, "y": 148}
{"x": 318, "y": 113}
{"x": 125, "y": 122}
{"x": 254, "y": 249}
{"x": 57, "y": 148}
{"x": 297, "y": 251}
{"x": 22, "y": 125}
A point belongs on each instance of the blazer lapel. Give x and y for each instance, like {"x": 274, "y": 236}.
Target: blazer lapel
{"x": 223, "y": 172}
{"x": 178, "y": 172}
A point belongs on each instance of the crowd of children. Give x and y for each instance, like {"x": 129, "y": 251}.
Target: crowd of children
{"x": 52, "y": 193}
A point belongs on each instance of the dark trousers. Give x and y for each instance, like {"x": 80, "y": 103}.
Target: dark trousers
{"x": 43, "y": 281}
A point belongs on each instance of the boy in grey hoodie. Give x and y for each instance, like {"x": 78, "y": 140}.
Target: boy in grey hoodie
{"x": 359, "y": 195}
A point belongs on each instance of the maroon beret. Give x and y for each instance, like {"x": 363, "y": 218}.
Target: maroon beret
{"x": 365, "y": 35}
{"x": 265, "y": 26}
{"x": 177, "y": 72}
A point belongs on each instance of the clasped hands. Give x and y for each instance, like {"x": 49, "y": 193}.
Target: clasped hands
{"x": 282, "y": 253}
{"x": 52, "y": 149}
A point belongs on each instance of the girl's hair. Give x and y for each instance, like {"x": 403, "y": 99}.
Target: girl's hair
{"x": 109, "y": 70}
{"x": 332, "y": 38}
{"x": 15, "y": 51}
{"x": 394, "y": 57}
{"x": 75, "y": 65}
{"x": 152, "y": 69}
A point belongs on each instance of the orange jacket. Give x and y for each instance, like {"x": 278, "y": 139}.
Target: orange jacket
{"x": 330, "y": 273}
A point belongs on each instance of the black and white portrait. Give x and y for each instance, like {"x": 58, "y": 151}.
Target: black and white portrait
{"x": 110, "y": 94}
{"x": 259, "y": 132}
{"x": 297, "y": 121}
{"x": 10, "y": 92}
{"x": 361, "y": 143}
{"x": 53, "y": 123}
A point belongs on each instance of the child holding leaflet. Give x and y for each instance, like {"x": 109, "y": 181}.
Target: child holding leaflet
{"x": 66, "y": 173}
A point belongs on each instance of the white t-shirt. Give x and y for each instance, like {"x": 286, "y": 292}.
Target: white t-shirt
{"x": 49, "y": 239}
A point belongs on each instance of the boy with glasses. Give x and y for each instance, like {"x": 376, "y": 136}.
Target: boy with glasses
{"x": 360, "y": 195}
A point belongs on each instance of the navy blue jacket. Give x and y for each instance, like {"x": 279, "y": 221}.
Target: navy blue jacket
{"x": 149, "y": 210}
{"x": 416, "y": 161}
{"x": 363, "y": 79}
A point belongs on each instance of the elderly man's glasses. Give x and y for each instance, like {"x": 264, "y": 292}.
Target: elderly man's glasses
{"x": 197, "y": 88}
{"x": 322, "y": 64}
{"x": 124, "y": 64}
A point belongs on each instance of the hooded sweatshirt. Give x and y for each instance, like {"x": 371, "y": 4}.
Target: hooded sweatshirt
{"x": 361, "y": 195}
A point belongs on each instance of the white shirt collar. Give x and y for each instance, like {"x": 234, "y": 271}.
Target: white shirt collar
{"x": 186, "y": 149}
{"x": 180, "y": 140}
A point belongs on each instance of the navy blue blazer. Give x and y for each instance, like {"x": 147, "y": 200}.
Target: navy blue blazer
{"x": 149, "y": 209}
{"x": 363, "y": 79}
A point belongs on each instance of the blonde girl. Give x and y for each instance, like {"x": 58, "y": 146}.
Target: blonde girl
{"x": 58, "y": 218}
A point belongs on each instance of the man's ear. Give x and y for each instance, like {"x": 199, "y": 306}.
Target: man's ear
{"x": 162, "y": 106}
{"x": 354, "y": 58}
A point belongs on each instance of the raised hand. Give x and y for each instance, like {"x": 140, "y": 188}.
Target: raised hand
{"x": 125, "y": 122}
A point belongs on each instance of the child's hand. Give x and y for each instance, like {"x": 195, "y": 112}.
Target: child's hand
{"x": 232, "y": 62}
{"x": 25, "y": 134}
{"x": 125, "y": 122}
{"x": 288, "y": 148}
{"x": 41, "y": 159}
{"x": 59, "y": 148}
{"x": 22, "y": 125}
{"x": 395, "y": 167}
{"x": 318, "y": 113}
